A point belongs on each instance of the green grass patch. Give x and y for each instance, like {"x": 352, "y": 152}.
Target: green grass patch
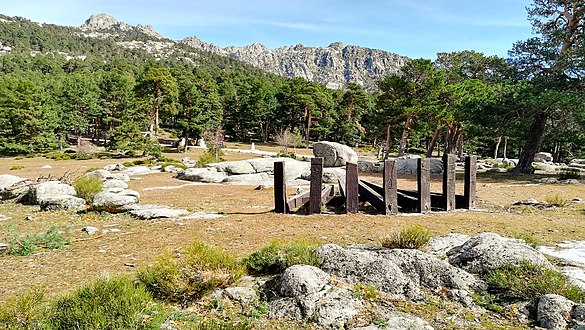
{"x": 25, "y": 311}
{"x": 528, "y": 281}
{"x": 88, "y": 187}
{"x": 16, "y": 167}
{"x": 277, "y": 256}
{"x": 199, "y": 270}
{"x": 208, "y": 157}
{"x": 412, "y": 237}
{"x": 25, "y": 244}
{"x": 366, "y": 291}
{"x": 556, "y": 200}
{"x": 529, "y": 239}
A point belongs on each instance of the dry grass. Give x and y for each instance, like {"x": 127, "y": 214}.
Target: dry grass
{"x": 248, "y": 223}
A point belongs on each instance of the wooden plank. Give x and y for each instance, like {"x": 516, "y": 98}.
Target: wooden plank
{"x": 351, "y": 188}
{"x": 327, "y": 194}
{"x": 316, "y": 185}
{"x": 406, "y": 198}
{"x": 470, "y": 182}
{"x": 279, "y": 188}
{"x": 423, "y": 175}
{"x": 367, "y": 194}
{"x": 298, "y": 200}
{"x": 448, "y": 182}
{"x": 390, "y": 187}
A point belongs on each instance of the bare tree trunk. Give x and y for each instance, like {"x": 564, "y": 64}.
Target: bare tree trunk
{"x": 434, "y": 141}
{"x": 505, "y": 147}
{"x": 460, "y": 146}
{"x": 388, "y": 142}
{"x": 532, "y": 144}
{"x": 498, "y": 141}
{"x": 308, "y": 125}
{"x": 404, "y": 137}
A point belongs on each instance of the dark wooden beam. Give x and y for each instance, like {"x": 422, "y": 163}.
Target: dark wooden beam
{"x": 316, "y": 185}
{"x": 279, "y": 188}
{"x": 367, "y": 194}
{"x": 327, "y": 194}
{"x": 423, "y": 175}
{"x": 449, "y": 182}
{"x": 298, "y": 200}
{"x": 470, "y": 182}
{"x": 390, "y": 187}
{"x": 351, "y": 188}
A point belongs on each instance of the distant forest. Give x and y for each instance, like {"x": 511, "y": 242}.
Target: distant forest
{"x": 57, "y": 85}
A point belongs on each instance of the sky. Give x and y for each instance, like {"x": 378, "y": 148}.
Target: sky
{"x": 414, "y": 28}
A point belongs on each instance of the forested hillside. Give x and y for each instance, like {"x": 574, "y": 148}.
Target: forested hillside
{"x": 58, "y": 83}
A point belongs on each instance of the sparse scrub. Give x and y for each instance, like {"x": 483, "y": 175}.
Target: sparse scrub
{"x": 219, "y": 324}
{"x": 23, "y": 245}
{"x": 556, "y": 200}
{"x": 529, "y": 239}
{"x": 277, "y": 256}
{"x": 88, "y": 187}
{"x": 207, "y": 158}
{"x": 25, "y": 311}
{"x": 528, "y": 281}
{"x": 16, "y": 167}
{"x": 366, "y": 291}
{"x": 199, "y": 270}
{"x": 412, "y": 237}
{"x": 115, "y": 303}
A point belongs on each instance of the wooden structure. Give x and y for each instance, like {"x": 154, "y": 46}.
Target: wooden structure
{"x": 386, "y": 198}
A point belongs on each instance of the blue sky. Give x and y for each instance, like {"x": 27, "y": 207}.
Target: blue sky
{"x": 415, "y": 28}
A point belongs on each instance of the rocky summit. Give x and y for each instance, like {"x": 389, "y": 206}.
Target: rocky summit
{"x": 106, "y": 23}
{"x": 334, "y": 66}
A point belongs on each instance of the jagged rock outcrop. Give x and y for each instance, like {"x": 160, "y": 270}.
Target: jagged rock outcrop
{"x": 334, "y": 66}
{"x": 107, "y": 23}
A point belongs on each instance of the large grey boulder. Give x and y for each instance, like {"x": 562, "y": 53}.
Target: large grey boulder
{"x": 63, "y": 202}
{"x": 487, "y": 251}
{"x": 8, "y": 180}
{"x": 370, "y": 166}
{"x": 50, "y": 189}
{"x": 209, "y": 175}
{"x": 304, "y": 293}
{"x": 543, "y": 157}
{"x": 253, "y": 178}
{"x": 554, "y": 312}
{"x": 409, "y": 166}
{"x": 138, "y": 170}
{"x": 440, "y": 245}
{"x": 113, "y": 183}
{"x": 547, "y": 167}
{"x": 237, "y": 167}
{"x": 266, "y": 164}
{"x": 333, "y": 174}
{"x": 115, "y": 200}
{"x": 100, "y": 174}
{"x": 334, "y": 154}
{"x": 147, "y": 212}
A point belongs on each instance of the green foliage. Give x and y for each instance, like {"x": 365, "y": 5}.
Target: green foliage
{"x": 207, "y": 157}
{"x": 218, "y": 324}
{"x": 277, "y": 256}
{"x": 366, "y": 291}
{"x": 488, "y": 301}
{"x": 556, "y": 200}
{"x": 528, "y": 281}
{"x": 287, "y": 154}
{"x": 115, "y": 303}
{"x": 25, "y": 311}
{"x": 23, "y": 245}
{"x": 16, "y": 167}
{"x": 567, "y": 174}
{"x": 88, "y": 187}
{"x": 413, "y": 237}
{"x": 199, "y": 270}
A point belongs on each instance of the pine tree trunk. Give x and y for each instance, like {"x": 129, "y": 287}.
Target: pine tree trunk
{"x": 388, "y": 142}
{"x": 532, "y": 144}
{"x": 404, "y": 137}
{"x": 497, "y": 147}
{"x": 434, "y": 141}
{"x": 505, "y": 147}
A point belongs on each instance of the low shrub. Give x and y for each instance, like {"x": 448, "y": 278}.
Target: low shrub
{"x": 366, "y": 292}
{"x": 25, "y": 311}
{"x": 528, "y": 281}
{"x": 115, "y": 303}
{"x": 208, "y": 158}
{"x": 175, "y": 164}
{"x": 200, "y": 269}
{"x": 16, "y": 167}
{"x": 287, "y": 154}
{"x": 556, "y": 200}
{"x": 277, "y": 256}
{"x": 23, "y": 245}
{"x": 567, "y": 174}
{"x": 88, "y": 187}
{"x": 412, "y": 237}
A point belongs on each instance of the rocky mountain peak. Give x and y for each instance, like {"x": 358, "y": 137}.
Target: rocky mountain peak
{"x": 107, "y": 23}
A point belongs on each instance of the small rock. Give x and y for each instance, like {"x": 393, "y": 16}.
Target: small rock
{"x": 28, "y": 218}
{"x": 47, "y": 166}
{"x": 529, "y": 202}
{"x": 90, "y": 230}
{"x": 554, "y": 312}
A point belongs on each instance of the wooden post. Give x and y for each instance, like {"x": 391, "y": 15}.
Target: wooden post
{"x": 423, "y": 174}
{"x": 279, "y": 188}
{"x": 390, "y": 187}
{"x": 470, "y": 182}
{"x": 316, "y": 185}
{"x": 449, "y": 182}
{"x": 351, "y": 188}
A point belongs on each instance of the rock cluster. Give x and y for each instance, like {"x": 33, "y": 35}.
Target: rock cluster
{"x": 107, "y": 23}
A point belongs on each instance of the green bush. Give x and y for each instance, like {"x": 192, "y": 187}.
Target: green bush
{"x": 208, "y": 158}
{"x": 16, "y": 167}
{"x": 88, "y": 187}
{"x": 287, "y": 154}
{"x": 25, "y": 311}
{"x": 105, "y": 304}
{"x": 528, "y": 281}
{"x": 23, "y": 245}
{"x": 567, "y": 174}
{"x": 413, "y": 237}
{"x": 556, "y": 200}
{"x": 277, "y": 256}
{"x": 199, "y": 270}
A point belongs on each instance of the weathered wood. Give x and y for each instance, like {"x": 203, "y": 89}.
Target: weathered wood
{"x": 424, "y": 185}
{"x": 327, "y": 194}
{"x": 390, "y": 187}
{"x": 298, "y": 200}
{"x": 406, "y": 198}
{"x": 448, "y": 182}
{"x": 351, "y": 188}
{"x": 367, "y": 194}
{"x": 279, "y": 188}
{"x": 470, "y": 182}
{"x": 316, "y": 185}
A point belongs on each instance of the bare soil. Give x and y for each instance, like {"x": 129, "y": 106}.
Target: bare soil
{"x": 248, "y": 222}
